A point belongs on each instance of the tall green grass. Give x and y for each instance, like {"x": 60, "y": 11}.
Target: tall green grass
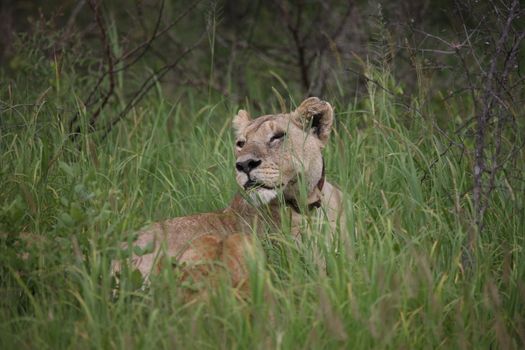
{"x": 399, "y": 283}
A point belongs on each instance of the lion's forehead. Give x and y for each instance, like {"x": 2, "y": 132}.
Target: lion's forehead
{"x": 261, "y": 125}
{"x": 267, "y": 125}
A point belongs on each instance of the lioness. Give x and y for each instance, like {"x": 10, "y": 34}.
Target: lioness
{"x": 277, "y": 158}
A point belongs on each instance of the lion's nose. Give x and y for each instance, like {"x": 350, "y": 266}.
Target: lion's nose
{"x": 247, "y": 165}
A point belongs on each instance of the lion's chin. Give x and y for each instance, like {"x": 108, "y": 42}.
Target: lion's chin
{"x": 261, "y": 196}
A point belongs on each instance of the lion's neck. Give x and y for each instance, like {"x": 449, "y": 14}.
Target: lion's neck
{"x": 314, "y": 199}
{"x": 243, "y": 206}
{"x": 325, "y": 198}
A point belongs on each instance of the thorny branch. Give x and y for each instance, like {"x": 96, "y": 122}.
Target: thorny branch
{"x": 493, "y": 106}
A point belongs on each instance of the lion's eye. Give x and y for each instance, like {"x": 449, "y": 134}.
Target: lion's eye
{"x": 278, "y": 136}
{"x": 240, "y": 143}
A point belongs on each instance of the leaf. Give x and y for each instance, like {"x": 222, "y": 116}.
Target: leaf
{"x": 148, "y": 248}
{"x": 66, "y": 219}
{"x": 136, "y": 279}
{"x": 66, "y": 168}
{"x": 76, "y": 212}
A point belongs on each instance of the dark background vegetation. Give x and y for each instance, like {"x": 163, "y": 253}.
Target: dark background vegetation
{"x": 83, "y": 80}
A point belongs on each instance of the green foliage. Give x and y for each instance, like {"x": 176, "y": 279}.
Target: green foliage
{"x": 65, "y": 207}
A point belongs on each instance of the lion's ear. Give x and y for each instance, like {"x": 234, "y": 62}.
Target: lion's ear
{"x": 317, "y": 115}
{"x": 240, "y": 121}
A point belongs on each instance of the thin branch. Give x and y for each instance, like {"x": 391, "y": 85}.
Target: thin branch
{"x": 95, "y": 6}
{"x": 140, "y": 50}
{"x": 146, "y": 86}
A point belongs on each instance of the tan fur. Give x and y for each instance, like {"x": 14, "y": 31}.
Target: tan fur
{"x": 200, "y": 242}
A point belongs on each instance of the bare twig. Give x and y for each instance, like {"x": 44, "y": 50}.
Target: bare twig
{"x": 95, "y": 6}
{"x": 146, "y": 86}
{"x": 134, "y": 55}
{"x": 483, "y": 117}
{"x": 108, "y": 55}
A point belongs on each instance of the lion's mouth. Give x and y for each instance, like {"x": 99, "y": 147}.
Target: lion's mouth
{"x": 252, "y": 184}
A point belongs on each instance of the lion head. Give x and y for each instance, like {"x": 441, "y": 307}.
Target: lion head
{"x": 282, "y": 152}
